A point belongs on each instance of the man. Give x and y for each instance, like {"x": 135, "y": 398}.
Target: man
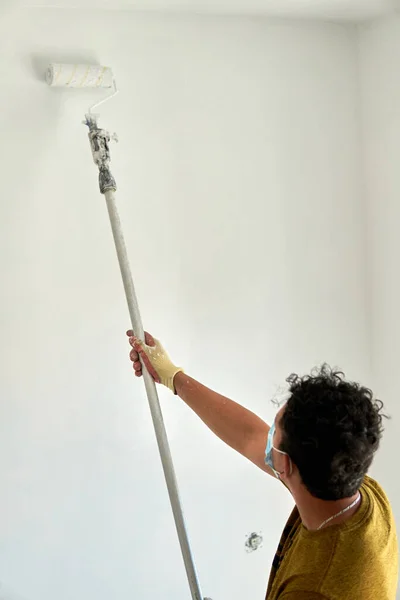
{"x": 340, "y": 540}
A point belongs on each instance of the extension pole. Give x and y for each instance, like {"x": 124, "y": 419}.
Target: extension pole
{"x": 99, "y": 140}
{"x": 154, "y": 403}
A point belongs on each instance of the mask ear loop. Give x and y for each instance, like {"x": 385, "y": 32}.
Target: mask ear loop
{"x": 290, "y": 460}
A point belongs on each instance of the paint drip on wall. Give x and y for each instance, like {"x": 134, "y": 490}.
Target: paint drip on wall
{"x": 253, "y": 541}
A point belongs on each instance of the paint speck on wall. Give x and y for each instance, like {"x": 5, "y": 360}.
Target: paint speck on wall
{"x": 253, "y": 542}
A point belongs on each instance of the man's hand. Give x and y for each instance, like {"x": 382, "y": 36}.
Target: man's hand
{"x": 154, "y": 357}
{"x": 233, "y": 424}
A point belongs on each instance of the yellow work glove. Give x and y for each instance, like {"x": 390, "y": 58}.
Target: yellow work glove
{"x": 155, "y": 359}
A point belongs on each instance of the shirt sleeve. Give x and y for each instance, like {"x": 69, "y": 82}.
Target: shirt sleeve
{"x": 300, "y": 595}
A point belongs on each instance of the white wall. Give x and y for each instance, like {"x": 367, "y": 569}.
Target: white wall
{"x": 238, "y": 172}
{"x": 380, "y": 88}
{"x": 350, "y": 10}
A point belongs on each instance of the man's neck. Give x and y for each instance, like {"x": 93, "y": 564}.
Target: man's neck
{"x": 314, "y": 512}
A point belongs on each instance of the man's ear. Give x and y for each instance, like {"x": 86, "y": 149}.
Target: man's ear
{"x": 288, "y": 467}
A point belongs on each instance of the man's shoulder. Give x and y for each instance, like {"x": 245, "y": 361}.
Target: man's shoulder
{"x": 379, "y": 502}
{"x": 371, "y": 484}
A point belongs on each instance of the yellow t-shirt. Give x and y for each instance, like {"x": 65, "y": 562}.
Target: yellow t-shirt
{"x": 355, "y": 560}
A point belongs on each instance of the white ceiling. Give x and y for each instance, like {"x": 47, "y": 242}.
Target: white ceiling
{"x": 325, "y": 9}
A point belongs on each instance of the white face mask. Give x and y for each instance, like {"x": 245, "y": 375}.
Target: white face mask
{"x": 268, "y": 452}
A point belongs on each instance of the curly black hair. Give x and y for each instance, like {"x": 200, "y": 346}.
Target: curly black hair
{"x": 331, "y": 429}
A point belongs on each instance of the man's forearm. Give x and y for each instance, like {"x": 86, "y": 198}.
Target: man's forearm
{"x": 232, "y": 423}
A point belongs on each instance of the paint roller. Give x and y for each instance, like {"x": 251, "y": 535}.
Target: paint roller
{"x": 94, "y": 76}
{"x": 79, "y": 76}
